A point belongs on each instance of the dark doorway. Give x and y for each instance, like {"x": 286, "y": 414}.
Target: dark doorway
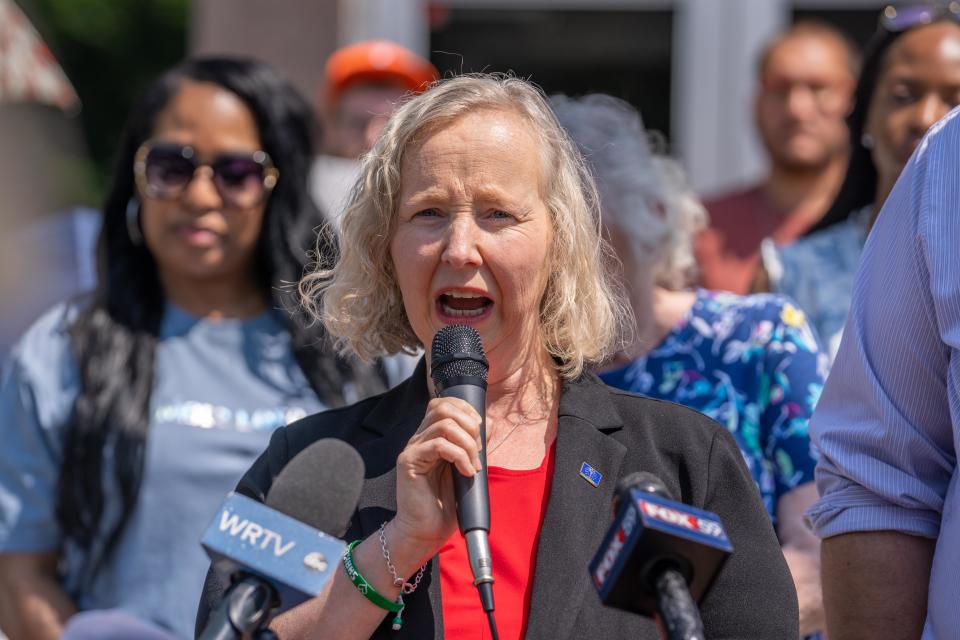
{"x": 623, "y": 53}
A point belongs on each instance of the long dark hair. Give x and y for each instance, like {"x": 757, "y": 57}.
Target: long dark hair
{"x": 859, "y": 187}
{"x": 114, "y": 337}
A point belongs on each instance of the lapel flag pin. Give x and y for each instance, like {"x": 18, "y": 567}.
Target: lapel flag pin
{"x": 590, "y": 474}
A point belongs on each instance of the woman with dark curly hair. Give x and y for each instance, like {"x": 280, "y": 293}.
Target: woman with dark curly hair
{"x": 127, "y": 415}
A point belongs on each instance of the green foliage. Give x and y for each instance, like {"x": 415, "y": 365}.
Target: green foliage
{"x": 110, "y": 50}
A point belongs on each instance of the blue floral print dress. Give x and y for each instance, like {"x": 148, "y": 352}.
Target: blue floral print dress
{"x": 753, "y": 364}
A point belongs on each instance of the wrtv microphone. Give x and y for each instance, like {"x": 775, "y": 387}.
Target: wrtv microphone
{"x": 653, "y": 550}
{"x": 459, "y": 370}
{"x": 277, "y": 555}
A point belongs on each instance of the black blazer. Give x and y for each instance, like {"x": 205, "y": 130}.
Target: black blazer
{"x": 616, "y": 433}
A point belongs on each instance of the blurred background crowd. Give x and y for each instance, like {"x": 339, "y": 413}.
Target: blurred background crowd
{"x": 769, "y": 135}
{"x": 71, "y": 70}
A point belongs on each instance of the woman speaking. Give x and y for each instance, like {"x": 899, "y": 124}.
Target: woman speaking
{"x": 474, "y": 208}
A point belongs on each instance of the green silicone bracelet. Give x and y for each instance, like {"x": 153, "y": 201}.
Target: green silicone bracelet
{"x": 365, "y": 587}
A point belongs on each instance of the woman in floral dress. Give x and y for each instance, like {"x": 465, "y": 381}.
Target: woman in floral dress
{"x": 752, "y": 363}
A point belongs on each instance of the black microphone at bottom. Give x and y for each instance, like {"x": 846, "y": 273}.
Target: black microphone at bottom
{"x": 278, "y": 555}
{"x": 659, "y": 556}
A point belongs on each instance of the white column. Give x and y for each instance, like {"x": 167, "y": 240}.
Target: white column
{"x": 716, "y": 45}
{"x": 403, "y": 21}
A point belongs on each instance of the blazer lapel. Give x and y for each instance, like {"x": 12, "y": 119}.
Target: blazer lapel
{"x": 578, "y": 513}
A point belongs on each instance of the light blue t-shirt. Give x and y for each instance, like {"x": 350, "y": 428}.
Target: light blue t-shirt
{"x": 221, "y": 388}
{"x": 817, "y": 272}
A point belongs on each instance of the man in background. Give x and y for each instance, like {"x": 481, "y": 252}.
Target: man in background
{"x": 363, "y": 82}
{"x": 805, "y": 86}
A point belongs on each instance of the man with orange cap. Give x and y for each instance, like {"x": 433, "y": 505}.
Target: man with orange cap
{"x": 363, "y": 82}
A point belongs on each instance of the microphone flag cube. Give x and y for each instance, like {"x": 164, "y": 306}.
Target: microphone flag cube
{"x": 647, "y": 532}
{"x": 248, "y": 536}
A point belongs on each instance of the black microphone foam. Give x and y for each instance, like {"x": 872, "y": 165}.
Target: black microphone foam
{"x": 457, "y": 353}
{"x": 320, "y": 486}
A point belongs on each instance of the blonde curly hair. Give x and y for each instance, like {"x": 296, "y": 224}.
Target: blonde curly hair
{"x": 582, "y": 316}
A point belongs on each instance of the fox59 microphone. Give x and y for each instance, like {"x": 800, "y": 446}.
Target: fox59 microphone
{"x": 277, "y": 555}
{"x": 659, "y": 557}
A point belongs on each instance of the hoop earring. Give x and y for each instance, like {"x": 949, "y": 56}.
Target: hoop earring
{"x": 133, "y": 222}
{"x": 867, "y": 141}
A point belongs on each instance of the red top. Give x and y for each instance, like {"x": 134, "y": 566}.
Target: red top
{"x": 728, "y": 252}
{"x": 518, "y": 500}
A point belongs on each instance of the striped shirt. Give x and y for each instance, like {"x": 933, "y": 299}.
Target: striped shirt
{"x": 888, "y": 423}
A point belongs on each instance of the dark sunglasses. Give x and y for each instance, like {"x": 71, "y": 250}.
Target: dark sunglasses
{"x": 895, "y": 19}
{"x": 163, "y": 170}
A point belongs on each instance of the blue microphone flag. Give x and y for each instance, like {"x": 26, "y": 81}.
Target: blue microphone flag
{"x": 650, "y": 530}
{"x": 246, "y": 535}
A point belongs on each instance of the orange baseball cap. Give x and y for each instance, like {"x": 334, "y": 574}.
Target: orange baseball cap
{"x": 377, "y": 60}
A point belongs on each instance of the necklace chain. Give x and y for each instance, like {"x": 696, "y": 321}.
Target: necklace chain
{"x": 507, "y": 437}
{"x": 516, "y": 425}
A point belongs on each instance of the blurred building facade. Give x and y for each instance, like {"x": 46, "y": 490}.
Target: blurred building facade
{"x": 689, "y": 65}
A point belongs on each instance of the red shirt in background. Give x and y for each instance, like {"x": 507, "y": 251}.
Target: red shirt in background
{"x": 518, "y": 501}
{"x": 728, "y": 252}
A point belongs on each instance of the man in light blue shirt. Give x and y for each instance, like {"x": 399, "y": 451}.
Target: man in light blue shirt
{"x": 888, "y": 423}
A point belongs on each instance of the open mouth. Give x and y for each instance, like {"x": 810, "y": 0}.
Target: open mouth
{"x": 463, "y": 305}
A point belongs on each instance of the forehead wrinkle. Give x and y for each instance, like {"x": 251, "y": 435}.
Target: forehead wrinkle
{"x": 466, "y": 162}
{"x": 476, "y": 182}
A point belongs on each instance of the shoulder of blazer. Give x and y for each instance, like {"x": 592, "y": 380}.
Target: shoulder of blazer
{"x": 393, "y": 415}
{"x": 674, "y": 442}
{"x": 631, "y": 415}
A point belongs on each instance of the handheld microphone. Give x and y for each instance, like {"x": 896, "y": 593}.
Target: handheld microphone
{"x": 459, "y": 370}
{"x": 276, "y": 556}
{"x": 654, "y": 549}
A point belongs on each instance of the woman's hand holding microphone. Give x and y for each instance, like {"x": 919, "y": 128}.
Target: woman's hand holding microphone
{"x": 426, "y": 507}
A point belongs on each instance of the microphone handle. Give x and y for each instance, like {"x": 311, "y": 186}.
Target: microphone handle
{"x": 242, "y": 611}
{"x": 678, "y": 612}
{"x": 473, "y": 500}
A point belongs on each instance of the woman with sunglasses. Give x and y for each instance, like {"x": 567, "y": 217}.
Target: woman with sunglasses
{"x": 910, "y": 79}
{"x": 127, "y": 416}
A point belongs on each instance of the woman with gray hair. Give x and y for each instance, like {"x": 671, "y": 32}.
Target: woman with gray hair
{"x": 752, "y": 363}
{"x": 474, "y": 208}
